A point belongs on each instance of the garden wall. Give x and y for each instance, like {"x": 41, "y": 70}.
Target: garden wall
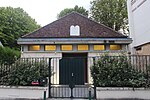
{"x": 122, "y": 93}
{"x": 7, "y": 92}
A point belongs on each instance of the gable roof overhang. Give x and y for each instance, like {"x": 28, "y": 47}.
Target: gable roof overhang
{"x": 22, "y": 41}
{"x": 139, "y": 46}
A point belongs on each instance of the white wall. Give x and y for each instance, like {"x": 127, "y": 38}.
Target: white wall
{"x": 139, "y": 21}
{"x": 32, "y": 54}
{"x": 7, "y": 92}
{"x": 122, "y": 93}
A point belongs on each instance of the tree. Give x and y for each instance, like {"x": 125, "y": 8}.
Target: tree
{"x": 14, "y": 22}
{"x": 66, "y": 11}
{"x": 112, "y": 13}
{"x": 8, "y": 55}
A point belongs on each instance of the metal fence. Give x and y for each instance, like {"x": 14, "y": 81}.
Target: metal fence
{"x": 73, "y": 77}
{"x": 122, "y": 71}
{"x": 62, "y": 82}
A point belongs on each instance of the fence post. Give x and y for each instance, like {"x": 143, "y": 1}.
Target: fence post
{"x": 94, "y": 63}
{"x": 44, "y": 95}
{"x": 49, "y": 77}
{"x": 90, "y": 98}
{"x": 71, "y": 85}
{"x": 147, "y": 71}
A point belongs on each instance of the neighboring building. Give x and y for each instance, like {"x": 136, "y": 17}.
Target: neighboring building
{"x": 139, "y": 26}
{"x": 1, "y": 44}
{"x": 73, "y": 36}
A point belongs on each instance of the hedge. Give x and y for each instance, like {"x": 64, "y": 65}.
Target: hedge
{"x": 116, "y": 71}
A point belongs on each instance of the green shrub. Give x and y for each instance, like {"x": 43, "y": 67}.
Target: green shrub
{"x": 24, "y": 71}
{"x": 8, "y": 56}
{"x": 116, "y": 71}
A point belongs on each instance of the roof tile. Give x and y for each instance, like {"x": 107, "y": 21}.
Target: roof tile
{"x": 61, "y": 28}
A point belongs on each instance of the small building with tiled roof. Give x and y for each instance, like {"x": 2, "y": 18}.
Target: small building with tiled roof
{"x": 73, "y": 35}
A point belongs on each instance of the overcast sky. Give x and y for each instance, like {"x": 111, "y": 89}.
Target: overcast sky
{"x": 44, "y": 11}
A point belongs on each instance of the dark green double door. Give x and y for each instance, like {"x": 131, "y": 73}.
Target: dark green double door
{"x": 72, "y": 70}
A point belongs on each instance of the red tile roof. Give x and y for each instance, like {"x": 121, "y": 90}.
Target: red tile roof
{"x": 61, "y": 28}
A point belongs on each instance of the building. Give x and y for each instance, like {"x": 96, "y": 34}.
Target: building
{"x": 139, "y": 26}
{"x": 73, "y": 36}
{"x": 73, "y": 33}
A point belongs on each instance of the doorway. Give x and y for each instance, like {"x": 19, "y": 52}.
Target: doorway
{"x": 73, "y": 65}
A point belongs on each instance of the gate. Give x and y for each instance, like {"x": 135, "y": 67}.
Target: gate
{"x": 69, "y": 78}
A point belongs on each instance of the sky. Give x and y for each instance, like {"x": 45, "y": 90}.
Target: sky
{"x": 44, "y": 11}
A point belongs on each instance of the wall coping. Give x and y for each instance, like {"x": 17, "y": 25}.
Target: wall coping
{"x": 23, "y": 87}
{"x": 121, "y": 89}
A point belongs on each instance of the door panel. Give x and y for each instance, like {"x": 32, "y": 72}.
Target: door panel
{"x": 69, "y": 66}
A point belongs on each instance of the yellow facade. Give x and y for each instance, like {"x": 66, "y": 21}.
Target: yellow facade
{"x": 83, "y": 47}
{"x": 99, "y": 47}
{"x": 66, "y": 47}
{"x": 50, "y": 47}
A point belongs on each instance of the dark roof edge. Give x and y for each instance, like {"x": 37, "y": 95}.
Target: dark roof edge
{"x": 142, "y": 45}
{"x": 71, "y": 37}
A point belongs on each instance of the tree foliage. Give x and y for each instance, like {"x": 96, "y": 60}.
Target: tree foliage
{"x": 8, "y": 55}
{"x": 112, "y": 13}
{"x": 14, "y": 22}
{"x": 66, "y": 11}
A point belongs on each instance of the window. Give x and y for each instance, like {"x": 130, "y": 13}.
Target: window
{"x": 50, "y": 47}
{"x": 66, "y": 47}
{"x": 99, "y": 47}
{"x": 34, "y": 47}
{"x": 115, "y": 47}
{"x": 74, "y": 30}
{"x": 83, "y": 47}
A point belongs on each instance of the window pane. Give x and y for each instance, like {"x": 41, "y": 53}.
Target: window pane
{"x": 83, "y": 47}
{"x": 66, "y": 47}
{"x": 99, "y": 47}
{"x": 50, "y": 47}
{"x": 34, "y": 47}
{"x": 115, "y": 47}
